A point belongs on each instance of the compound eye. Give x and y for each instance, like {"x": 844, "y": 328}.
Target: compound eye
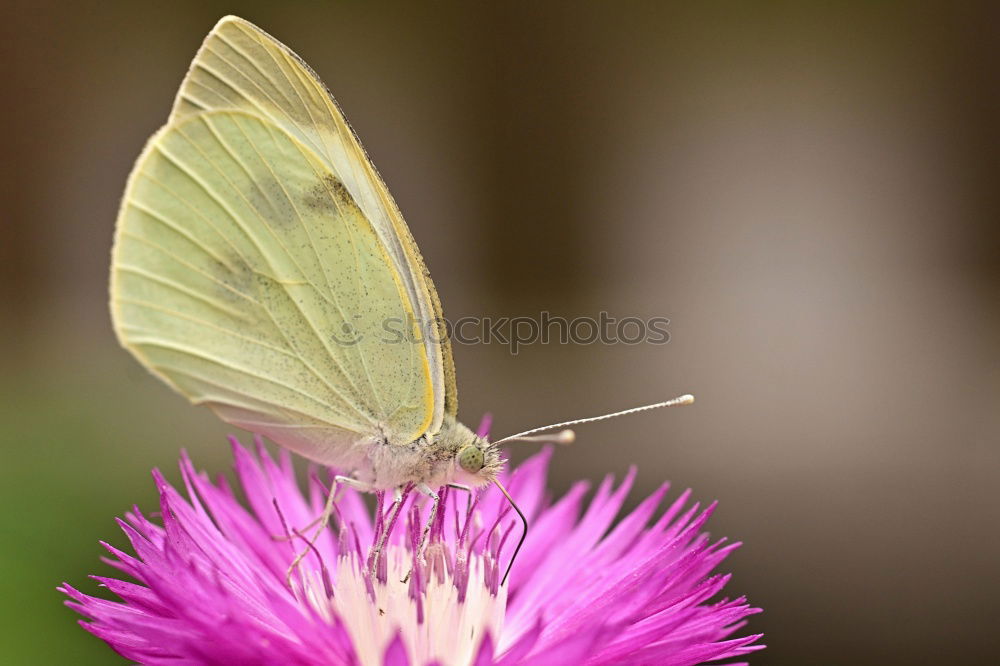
{"x": 471, "y": 459}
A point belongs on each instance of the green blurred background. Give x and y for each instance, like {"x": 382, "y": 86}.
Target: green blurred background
{"x": 807, "y": 190}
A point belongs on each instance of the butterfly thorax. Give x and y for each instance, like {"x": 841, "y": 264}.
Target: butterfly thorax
{"x": 432, "y": 460}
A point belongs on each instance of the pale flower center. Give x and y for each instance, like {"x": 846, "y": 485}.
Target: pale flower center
{"x": 449, "y": 631}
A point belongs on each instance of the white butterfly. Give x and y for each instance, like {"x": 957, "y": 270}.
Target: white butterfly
{"x": 258, "y": 258}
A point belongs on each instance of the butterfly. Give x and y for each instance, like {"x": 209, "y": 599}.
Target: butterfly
{"x": 258, "y": 260}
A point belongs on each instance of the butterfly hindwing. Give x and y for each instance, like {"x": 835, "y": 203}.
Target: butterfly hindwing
{"x": 246, "y": 274}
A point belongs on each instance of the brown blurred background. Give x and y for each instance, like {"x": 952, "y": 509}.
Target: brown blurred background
{"x": 808, "y": 193}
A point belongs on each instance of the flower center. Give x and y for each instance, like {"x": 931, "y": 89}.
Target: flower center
{"x": 440, "y": 623}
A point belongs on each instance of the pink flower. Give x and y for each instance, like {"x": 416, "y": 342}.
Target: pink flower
{"x": 212, "y": 585}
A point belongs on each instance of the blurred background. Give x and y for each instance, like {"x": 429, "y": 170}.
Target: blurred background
{"x": 808, "y": 192}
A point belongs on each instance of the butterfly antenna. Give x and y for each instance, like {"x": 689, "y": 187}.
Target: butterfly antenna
{"x": 523, "y": 534}
{"x": 567, "y": 436}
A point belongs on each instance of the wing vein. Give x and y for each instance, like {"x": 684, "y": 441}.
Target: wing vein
{"x": 183, "y": 201}
{"x": 253, "y": 63}
{"x": 225, "y": 363}
{"x": 135, "y": 270}
{"x": 356, "y": 428}
{"x": 203, "y": 322}
{"x": 162, "y": 219}
{"x": 168, "y": 253}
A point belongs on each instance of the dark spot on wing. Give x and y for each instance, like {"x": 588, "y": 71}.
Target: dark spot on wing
{"x": 330, "y": 197}
{"x": 272, "y": 204}
{"x": 237, "y": 277}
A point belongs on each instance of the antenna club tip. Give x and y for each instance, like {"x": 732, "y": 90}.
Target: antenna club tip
{"x": 566, "y": 436}
{"x": 686, "y": 399}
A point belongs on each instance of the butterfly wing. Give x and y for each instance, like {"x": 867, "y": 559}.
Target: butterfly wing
{"x": 258, "y": 260}
{"x": 240, "y": 66}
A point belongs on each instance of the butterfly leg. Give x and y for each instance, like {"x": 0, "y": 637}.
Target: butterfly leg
{"x": 384, "y": 537}
{"x": 323, "y": 520}
{"x": 354, "y": 483}
{"x": 435, "y": 499}
{"x": 330, "y": 500}
{"x": 462, "y": 486}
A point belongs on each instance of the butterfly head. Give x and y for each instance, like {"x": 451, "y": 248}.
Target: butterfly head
{"x": 480, "y": 461}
